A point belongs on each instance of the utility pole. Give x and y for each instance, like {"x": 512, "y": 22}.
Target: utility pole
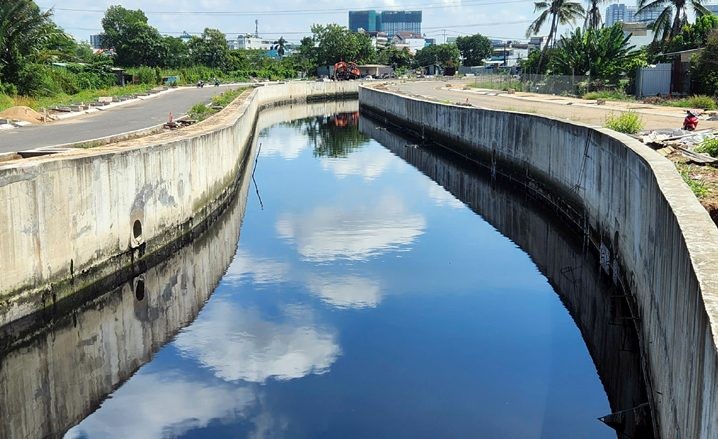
{"x": 444, "y": 36}
{"x": 256, "y": 28}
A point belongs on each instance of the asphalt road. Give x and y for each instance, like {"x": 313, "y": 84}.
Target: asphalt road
{"x": 128, "y": 117}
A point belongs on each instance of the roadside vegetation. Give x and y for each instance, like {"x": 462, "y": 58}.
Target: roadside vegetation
{"x": 699, "y": 188}
{"x": 629, "y": 122}
{"x": 202, "y": 111}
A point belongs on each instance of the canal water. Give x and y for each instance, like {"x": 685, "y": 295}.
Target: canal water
{"x": 361, "y": 299}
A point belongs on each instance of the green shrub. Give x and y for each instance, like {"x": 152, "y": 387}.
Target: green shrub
{"x": 144, "y": 75}
{"x": 629, "y": 122}
{"x": 709, "y": 146}
{"x": 698, "y": 101}
{"x": 227, "y": 97}
{"x": 6, "y": 102}
{"x": 200, "y": 112}
{"x": 698, "y": 187}
{"x": 609, "y": 95}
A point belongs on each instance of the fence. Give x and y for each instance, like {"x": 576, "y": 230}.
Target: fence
{"x": 546, "y": 84}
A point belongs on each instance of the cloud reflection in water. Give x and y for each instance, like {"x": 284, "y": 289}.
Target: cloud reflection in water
{"x": 356, "y": 233}
{"x": 237, "y": 343}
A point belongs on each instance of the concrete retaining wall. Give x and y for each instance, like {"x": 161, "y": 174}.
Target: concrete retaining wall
{"x": 652, "y": 234}
{"x": 73, "y": 219}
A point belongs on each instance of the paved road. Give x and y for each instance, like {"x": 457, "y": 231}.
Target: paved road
{"x": 128, "y": 117}
{"x": 654, "y": 117}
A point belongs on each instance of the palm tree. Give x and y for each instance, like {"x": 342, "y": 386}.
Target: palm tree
{"x": 673, "y": 16}
{"x": 593, "y": 16}
{"x": 24, "y": 30}
{"x": 561, "y": 12}
{"x": 281, "y": 43}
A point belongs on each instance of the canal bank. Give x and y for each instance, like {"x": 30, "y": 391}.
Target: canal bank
{"x": 653, "y": 237}
{"x": 88, "y": 219}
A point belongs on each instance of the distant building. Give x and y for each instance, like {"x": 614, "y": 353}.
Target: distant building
{"x": 378, "y": 39}
{"x": 96, "y": 41}
{"x": 712, "y": 8}
{"x": 249, "y": 42}
{"x": 408, "y": 40}
{"x": 641, "y": 35}
{"x": 393, "y": 22}
{"x": 366, "y": 20}
{"x": 647, "y": 16}
{"x": 618, "y": 13}
{"x": 390, "y": 22}
{"x": 629, "y": 14}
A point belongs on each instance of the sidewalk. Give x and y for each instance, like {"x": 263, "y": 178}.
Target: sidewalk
{"x": 574, "y": 109}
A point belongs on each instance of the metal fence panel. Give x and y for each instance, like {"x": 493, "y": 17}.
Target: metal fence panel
{"x": 653, "y": 81}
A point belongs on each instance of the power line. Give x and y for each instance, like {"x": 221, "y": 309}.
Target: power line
{"x": 436, "y": 29}
{"x": 455, "y": 3}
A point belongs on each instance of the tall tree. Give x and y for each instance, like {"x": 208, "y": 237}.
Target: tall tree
{"x": 474, "y": 49}
{"x": 445, "y": 55}
{"x": 24, "y": 31}
{"x": 281, "y": 43}
{"x": 561, "y": 12}
{"x": 602, "y": 53}
{"x": 333, "y": 43}
{"x": 210, "y": 48}
{"x": 134, "y": 40}
{"x": 674, "y": 14}
{"x": 593, "y": 15}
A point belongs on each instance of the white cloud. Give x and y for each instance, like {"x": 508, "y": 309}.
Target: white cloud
{"x": 259, "y": 270}
{"x": 440, "y": 196}
{"x": 238, "y": 344}
{"x": 328, "y": 233}
{"x": 365, "y": 162}
{"x": 346, "y": 291}
{"x": 284, "y": 142}
{"x": 153, "y": 405}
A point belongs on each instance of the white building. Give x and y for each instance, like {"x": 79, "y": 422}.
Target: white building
{"x": 411, "y": 41}
{"x": 641, "y": 36}
{"x": 248, "y": 42}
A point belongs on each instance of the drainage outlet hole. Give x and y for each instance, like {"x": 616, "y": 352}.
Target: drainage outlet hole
{"x": 137, "y": 229}
{"x": 140, "y": 290}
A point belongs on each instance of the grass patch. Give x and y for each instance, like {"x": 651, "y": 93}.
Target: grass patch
{"x": 697, "y": 186}
{"x": 709, "y": 146}
{"x": 85, "y": 96}
{"x": 202, "y": 111}
{"x": 699, "y": 101}
{"x": 629, "y": 122}
{"x": 608, "y": 95}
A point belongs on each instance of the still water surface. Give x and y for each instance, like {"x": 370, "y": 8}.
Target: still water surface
{"x": 364, "y": 301}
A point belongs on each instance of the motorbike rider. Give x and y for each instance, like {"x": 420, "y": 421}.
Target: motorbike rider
{"x": 690, "y": 123}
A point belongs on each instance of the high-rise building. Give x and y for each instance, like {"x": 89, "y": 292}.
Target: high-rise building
{"x": 366, "y": 20}
{"x": 629, "y": 14}
{"x": 647, "y": 16}
{"x": 618, "y": 12}
{"x": 401, "y": 21}
{"x": 390, "y": 22}
{"x": 96, "y": 41}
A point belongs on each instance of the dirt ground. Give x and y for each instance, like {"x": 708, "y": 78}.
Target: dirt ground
{"x": 702, "y": 179}
{"x": 25, "y": 114}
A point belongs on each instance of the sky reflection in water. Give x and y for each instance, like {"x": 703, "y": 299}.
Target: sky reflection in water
{"x": 364, "y": 301}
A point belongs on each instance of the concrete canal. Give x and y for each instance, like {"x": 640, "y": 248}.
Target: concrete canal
{"x": 359, "y": 285}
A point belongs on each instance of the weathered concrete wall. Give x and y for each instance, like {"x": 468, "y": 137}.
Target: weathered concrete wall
{"x": 72, "y": 219}
{"x": 61, "y": 374}
{"x": 653, "y": 235}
